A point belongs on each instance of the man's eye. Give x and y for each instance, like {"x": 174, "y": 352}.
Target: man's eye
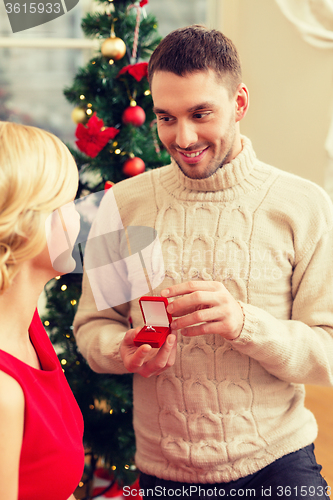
{"x": 200, "y": 115}
{"x": 164, "y": 118}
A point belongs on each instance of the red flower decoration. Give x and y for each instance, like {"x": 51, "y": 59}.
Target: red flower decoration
{"x": 138, "y": 70}
{"x": 143, "y": 3}
{"x": 91, "y": 138}
{"x": 108, "y": 185}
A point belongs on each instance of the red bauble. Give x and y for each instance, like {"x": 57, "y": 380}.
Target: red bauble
{"x": 134, "y": 115}
{"x": 133, "y": 166}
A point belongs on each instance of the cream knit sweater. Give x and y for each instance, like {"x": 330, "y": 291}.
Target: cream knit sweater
{"x": 227, "y": 409}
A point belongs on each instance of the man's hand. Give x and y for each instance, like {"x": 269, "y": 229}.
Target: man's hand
{"x": 208, "y": 303}
{"x": 144, "y": 359}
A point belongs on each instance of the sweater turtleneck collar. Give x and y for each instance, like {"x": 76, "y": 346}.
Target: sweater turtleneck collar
{"x": 229, "y": 178}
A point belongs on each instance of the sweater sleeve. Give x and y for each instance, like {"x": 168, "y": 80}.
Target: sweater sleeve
{"x": 99, "y": 333}
{"x": 102, "y": 320}
{"x": 113, "y": 274}
{"x": 299, "y": 350}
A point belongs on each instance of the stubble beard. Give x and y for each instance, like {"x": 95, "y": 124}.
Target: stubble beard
{"x": 210, "y": 170}
{"x": 213, "y": 166}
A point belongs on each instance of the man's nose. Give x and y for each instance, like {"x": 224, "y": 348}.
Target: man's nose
{"x": 186, "y": 135}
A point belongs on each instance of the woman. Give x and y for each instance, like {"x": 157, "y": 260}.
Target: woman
{"x": 41, "y": 428}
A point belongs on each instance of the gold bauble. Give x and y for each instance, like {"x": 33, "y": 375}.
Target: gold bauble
{"x": 113, "y": 48}
{"x": 79, "y": 115}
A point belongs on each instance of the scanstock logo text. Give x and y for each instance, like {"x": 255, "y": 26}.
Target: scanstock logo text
{"x": 25, "y": 14}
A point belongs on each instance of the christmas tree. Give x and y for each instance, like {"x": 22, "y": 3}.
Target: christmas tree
{"x": 116, "y": 138}
{"x": 113, "y": 90}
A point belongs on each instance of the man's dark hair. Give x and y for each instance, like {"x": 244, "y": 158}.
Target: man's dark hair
{"x": 196, "y": 48}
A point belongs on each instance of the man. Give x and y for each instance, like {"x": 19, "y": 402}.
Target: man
{"x": 219, "y": 409}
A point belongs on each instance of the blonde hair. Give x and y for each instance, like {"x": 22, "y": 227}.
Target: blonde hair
{"x": 37, "y": 175}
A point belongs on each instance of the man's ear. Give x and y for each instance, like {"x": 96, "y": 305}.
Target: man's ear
{"x": 241, "y": 101}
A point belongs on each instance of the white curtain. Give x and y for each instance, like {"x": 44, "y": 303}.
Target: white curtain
{"x": 314, "y": 20}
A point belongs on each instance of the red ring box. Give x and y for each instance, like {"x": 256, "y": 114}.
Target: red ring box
{"x": 157, "y": 321}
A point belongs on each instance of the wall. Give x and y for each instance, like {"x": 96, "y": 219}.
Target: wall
{"x": 290, "y": 85}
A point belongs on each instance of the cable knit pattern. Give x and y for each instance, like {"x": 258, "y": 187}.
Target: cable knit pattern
{"x": 227, "y": 409}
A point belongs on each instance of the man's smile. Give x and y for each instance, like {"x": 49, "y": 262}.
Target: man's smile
{"x": 192, "y": 156}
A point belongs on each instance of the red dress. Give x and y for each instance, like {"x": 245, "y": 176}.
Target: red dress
{"x": 52, "y": 455}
